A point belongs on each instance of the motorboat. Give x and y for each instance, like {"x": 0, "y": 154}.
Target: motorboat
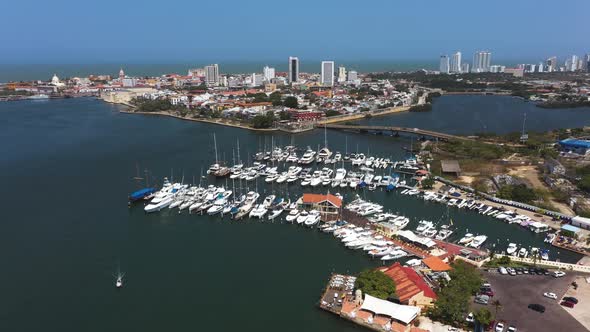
{"x": 466, "y": 239}
{"x": 324, "y": 153}
{"x": 443, "y": 233}
{"x": 511, "y": 250}
{"x": 268, "y": 201}
{"x": 340, "y": 174}
{"x": 271, "y": 178}
{"x": 302, "y": 217}
{"x": 478, "y": 241}
{"x": 259, "y": 211}
{"x": 159, "y": 206}
{"x": 313, "y": 218}
{"x": 545, "y": 254}
{"x": 275, "y": 212}
{"x": 395, "y": 254}
{"x": 308, "y": 157}
{"x": 431, "y": 232}
{"x": 423, "y": 226}
{"x": 119, "y": 280}
{"x": 523, "y": 252}
{"x": 293, "y": 214}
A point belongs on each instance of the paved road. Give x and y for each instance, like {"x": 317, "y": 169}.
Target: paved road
{"x": 517, "y": 292}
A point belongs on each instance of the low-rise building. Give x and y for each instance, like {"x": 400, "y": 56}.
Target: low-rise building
{"x": 410, "y": 288}
{"x": 328, "y": 205}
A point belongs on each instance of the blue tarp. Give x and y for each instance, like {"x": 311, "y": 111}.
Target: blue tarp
{"x": 575, "y": 143}
{"x": 570, "y": 228}
{"x": 141, "y": 193}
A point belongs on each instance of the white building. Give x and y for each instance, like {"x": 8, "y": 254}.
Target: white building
{"x": 212, "y": 75}
{"x": 455, "y": 66}
{"x": 551, "y": 64}
{"x": 352, "y": 76}
{"x": 444, "y": 64}
{"x": 327, "y": 77}
{"x": 465, "y": 67}
{"x": 257, "y": 79}
{"x": 293, "y": 69}
{"x": 482, "y": 61}
{"x": 341, "y": 74}
{"x": 497, "y": 69}
{"x": 269, "y": 73}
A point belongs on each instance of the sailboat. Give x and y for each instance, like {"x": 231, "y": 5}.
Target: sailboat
{"x": 119, "y": 279}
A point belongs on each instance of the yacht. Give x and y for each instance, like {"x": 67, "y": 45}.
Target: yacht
{"x": 276, "y": 212}
{"x": 283, "y": 177}
{"x": 313, "y": 218}
{"x": 401, "y": 222}
{"x": 359, "y": 160}
{"x": 119, "y": 281}
{"x": 268, "y": 201}
{"x": 308, "y": 157}
{"x": 258, "y": 212}
{"x": 324, "y": 153}
{"x": 431, "y": 232}
{"x": 444, "y": 233}
{"x": 293, "y": 214}
{"x": 159, "y": 206}
{"x": 466, "y": 239}
{"x": 545, "y": 254}
{"x": 395, "y": 254}
{"x": 423, "y": 226}
{"x": 511, "y": 250}
{"x": 271, "y": 178}
{"x": 316, "y": 179}
{"x": 478, "y": 241}
{"x": 306, "y": 181}
{"x": 302, "y": 217}
{"x": 523, "y": 252}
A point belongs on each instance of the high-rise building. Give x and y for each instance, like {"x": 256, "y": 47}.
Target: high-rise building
{"x": 341, "y": 74}
{"x": 551, "y": 64}
{"x": 587, "y": 61}
{"x": 212, "y": 75}
{"x": 482, "y": 61}
{"x": 352, "y": 76}
{"x": 464, "y": 67}
{"x": 293, "y": 69}
{"x": 257, "y": 79}
{"x": 444, "y": 64}
{"x": 573, "y": 65}
{"x": 268, "y": 72}
{"x": 540, "y": 67}
{"x": 455, "y": 64}
{"x": 327, "y": 77}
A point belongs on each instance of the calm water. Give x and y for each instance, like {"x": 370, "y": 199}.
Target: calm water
{"x": 472, "y": 114}
{"x": 67, "y": 167}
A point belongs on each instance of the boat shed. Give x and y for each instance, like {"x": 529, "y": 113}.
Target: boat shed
{"x": 581, "y": 222}
{"x": 420, "y": 240}
{"x": 450, "y": 167}
{"x": 328, "y": 205}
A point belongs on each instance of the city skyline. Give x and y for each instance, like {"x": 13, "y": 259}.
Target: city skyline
{"x": 471, "y": 30}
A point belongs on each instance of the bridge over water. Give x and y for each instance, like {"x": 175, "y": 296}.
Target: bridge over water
{"x": 397, "y": 130}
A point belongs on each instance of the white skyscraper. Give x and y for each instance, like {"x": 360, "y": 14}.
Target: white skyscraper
{"x": 482, "y": 61}
{"x": 256, "y": 79}
{"x": 327, "y": 77}
{"x": 341, "y": 74}
{"x": 293, "y": 69}
{"x": 268, "y": 72}
{"x": 212, "y": 75}
{"x": 444, "y": 64}
{"x": 455, "y": 66}
{"x": 573, "y": 63}
{"x": 352, "y": 76}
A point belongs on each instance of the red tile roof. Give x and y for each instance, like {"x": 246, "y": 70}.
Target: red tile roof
{"x": 318, "y": 198}
{"x": 407, "y": 282}
{"x": 436, "y": 264}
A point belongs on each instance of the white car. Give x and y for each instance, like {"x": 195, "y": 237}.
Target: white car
{"x": 558, "y": 274}
{"x": 470, "y": 318}
{"x": 499, "y": 327}
{"x": 550, "y": 295}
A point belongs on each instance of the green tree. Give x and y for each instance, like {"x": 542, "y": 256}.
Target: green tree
{"x": 584, "y": 183}
{"x": 375, "y": 283}
{"x": 428, "y": 183}
{"x": 291, "y": 102}
{"x": 331, "y": 113}
{"x": 483, "y": 316}
{"x": 263, "y": 120}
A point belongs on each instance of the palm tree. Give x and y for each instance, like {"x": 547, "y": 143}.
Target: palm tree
{"x": 498, "y": 306}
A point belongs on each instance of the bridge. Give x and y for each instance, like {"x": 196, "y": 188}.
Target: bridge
{"x": 396, "y": 130}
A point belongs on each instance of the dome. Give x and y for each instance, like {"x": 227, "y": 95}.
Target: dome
{"x": 55, "y": 79}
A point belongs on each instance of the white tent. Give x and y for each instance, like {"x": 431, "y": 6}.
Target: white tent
{"x": 402, "y": 313}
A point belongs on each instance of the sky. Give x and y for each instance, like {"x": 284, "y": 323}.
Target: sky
{"x": 147, "y": 31}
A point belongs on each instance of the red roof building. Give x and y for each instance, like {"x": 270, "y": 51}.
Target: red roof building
{"x": 328, "y": 205}
{"x": 409, "y": 286}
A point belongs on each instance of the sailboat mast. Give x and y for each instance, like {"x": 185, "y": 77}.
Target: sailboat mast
{"x": 215, "y": 144}
{"x": 239, "y": 159}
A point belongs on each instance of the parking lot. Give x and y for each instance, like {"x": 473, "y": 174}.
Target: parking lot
{"x": 582, "y": 310}
{"x": 515, "y": 294}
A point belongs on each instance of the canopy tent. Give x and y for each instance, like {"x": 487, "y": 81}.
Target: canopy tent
{"x": 402, "y": 313}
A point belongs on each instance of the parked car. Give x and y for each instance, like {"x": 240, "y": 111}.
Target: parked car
{"x": 550, "y": 295}
{"x": 482, "y": 299}
{"x": 470, "y": 318}
{"x": 558, "y": 274}
{"x": 567, "y": 304}
{"x": 537, "y": 307}
{"x": 488, "y": 292}
{"x": 511, "y": 271}
{"x": 499, "y": 327}
{"x": 511, "y": 328}
{"x": 502, "y": 270}
{"x": 571, "y": 299}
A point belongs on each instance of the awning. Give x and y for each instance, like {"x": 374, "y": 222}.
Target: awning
{"x": 402, "y": 313}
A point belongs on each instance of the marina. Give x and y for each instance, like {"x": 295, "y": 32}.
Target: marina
{"x": 109, "y": 146}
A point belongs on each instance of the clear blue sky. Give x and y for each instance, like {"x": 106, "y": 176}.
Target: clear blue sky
{"x": 67, "y": 31}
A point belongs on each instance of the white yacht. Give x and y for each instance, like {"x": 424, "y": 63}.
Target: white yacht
{"x": 340, "y": 174}
{"x": 293, "y": 214}
{"x": 511, "y": 250}
{"x": 324, "y": 153}
{"x": 444, "y": 233}
{"x": 423, "y": 226}
{"x": 258, "y": 212}
{"x": 478, "y": 241}
{"x": 302, "y": 217}
{"x": 308, "y": 157}
{"x": 119, "y": 281}
{"x": 313, "y": 218}
{"x": 523, "y": 252}
{"x": 466, "y": 239}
